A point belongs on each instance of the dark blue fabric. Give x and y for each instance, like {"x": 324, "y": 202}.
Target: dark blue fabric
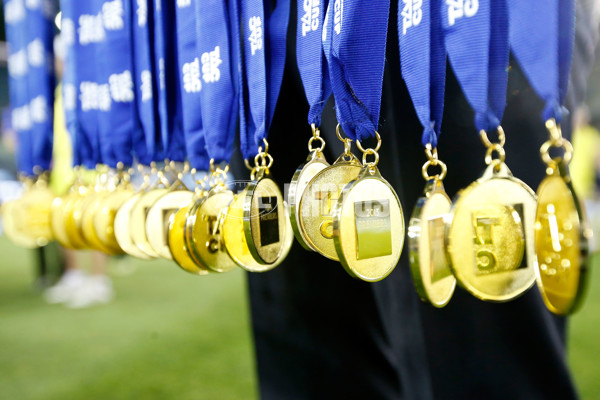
{"x": 119, "y": 124}
{"x": 264, "y": 37}
{"x": 423, "y": 62}
{"x": 146, "y": 143}
{"x": 91, "y": 96}
{"x": 190, "y": 72}
{"x": 15, "y": 17}
{"x": 476, "y": 37}
{"x": 311, "y": 61}
{"x": 219, "y": 96}
{"x": 167, "y": 80}
{"x": 354, "y": 42}
{"x": 543, "y": 46}
{"x": 41, "y": 79}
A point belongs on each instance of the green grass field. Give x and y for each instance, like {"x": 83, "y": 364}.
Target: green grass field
{"x": 167, "y": 335}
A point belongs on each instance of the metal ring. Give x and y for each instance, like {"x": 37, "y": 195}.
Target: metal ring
{"x": 432, "y": 154}
{"x": 562, "y": 143}
{"x": 487, "y": 142}
{"x": 374, "y": 162}
{"x": 316, "y": 131}
{"x": 260, "y": 160}
{"x": 339, "y": 135}
{"x": 318, "y": 149}
{"x": 266, "y": 145}
{"x": 554, "y": 130}
{"x": 496, "y": 147}
{"x": 359, "y": 145}
{"x": 433, "y": 163}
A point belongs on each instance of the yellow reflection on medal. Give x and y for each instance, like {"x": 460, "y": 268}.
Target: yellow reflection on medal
{"x": 177, "y": 243}
{"x": 137, "y": 220}
{"x": 157, "y": 220}
{"x": 105, "y": 217}
{"x": 122, "y": 232}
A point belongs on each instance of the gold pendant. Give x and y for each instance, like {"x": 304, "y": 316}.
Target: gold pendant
{"x": 122, "y": 232}
{"x": 490, "y": 237}
{"x": 178, "y": 244}
{"x": 427, "y": 252}
{"x": 203, "y": 230}
{"x": 368, "y": 226}
{"x": 137, "y": 220}
{"x": 37, "y": 203}
{"x": 74, "y": 208}
{"x": 104, "y": 219}
{"x": 157, "y": 220}
{"x": 13, "y": 215}
{"x": 57, "y": 222}
{"x": 90, "y": 209}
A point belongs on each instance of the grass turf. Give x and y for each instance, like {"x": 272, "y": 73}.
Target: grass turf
{"x": 166, "y": 335}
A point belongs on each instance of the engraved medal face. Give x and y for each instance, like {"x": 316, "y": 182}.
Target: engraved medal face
{"x": 368, "y": 227}
{"x": 122, "y": 232}
{"x": 560, "y": 244}
{"x": 177, "y": 243}
{"x": 303, "y": 175}
{"x": 12, "y": 217}
{"x": 37, "y": 203}
{"x": 235, "y": 237}
{"x": 317, "y": 203}
{"x": 204, "y": 227}
{"x": 105, "y": 217}
{"x": 157, "y": 220}
{"x": 137, "y": 220}
{"x": 57, "y": 223}
{"x": 490, "y": 239}
{"x": 265, "y": 221}
{"x": 428, "y": 262}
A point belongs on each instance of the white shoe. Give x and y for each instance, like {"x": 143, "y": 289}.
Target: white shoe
{"x": 65, "y": 287}
{"x": 97, "y": 289}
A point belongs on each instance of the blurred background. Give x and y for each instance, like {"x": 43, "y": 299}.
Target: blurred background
{"x": 167, "y": 334}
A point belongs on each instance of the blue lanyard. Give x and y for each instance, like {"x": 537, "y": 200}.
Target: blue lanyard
{"x": 16, "y": 34}
{"x": 219, "y": 96}
{"x": 476, "y": 37}
{"x": 118, "y": 123}
{"x": 41, "y": 81}
{"x": 541, "y": 38}
{"x": 146, "y": 143}
{"x": 354, "y": 42}
{"x": 310, "y": 57}
{"x": 69, "y": 79}
{"x": 264, "y": 40}
{"x": 190, "y": 72}
{"x": 91, "y": 95}
{"x": 423, "y": 62}
{"x": 167, "y": 80}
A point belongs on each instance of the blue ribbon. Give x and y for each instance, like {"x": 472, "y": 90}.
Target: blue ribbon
{"x": 219, "y": 91}
{"x": 264, "y": 41}
{"x": 118, "y": 123}
{"x": 167, "y": 80}
{"x": 423, "y": 62}
{"x": 354, "y": 42}
{"x": 313, "y": 69}
{"x": 91, "y": 95}
{"x": 16, "y": 22}
{"x": 476, "y": 37}
{"x": 146, "y": 142}
{"x": 541, "y": 38}
{"x": 190, "y": 72}
{"x": 41, "y": 81}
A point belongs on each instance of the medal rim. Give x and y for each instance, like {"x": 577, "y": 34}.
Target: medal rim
{"x": 129, "y": 248}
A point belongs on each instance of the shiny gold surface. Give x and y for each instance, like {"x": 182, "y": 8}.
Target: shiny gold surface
{"x": 104, "y": 219}
{"x": 57, "y": 222}
{"x": 560, "y": 243}
{"x": 13, "y": 217}
{"x": 88, "y": 228}
{"x": 265, "y": 221}
{"x": 75, "y": 205}
{"x": 122, "y": 232}
{"x": 318, "y": 201}
{"x": 490, "y": 238}
{"x": 157, "y": 220}
{"x": 137, "y": 220}
{"x": 204, "y": 230}
{"x": 178, "y": 245}
{"x": 37, "y": 203}
{"x": 429, "y": 265}
{"x": 368, "y": 227}
{"x": 304, "y": 174}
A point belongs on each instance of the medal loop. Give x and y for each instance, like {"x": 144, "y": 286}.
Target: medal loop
{"x": 347, "y": 156}
{"x": 487, "y": 142}
{"x": 557, "y": 141}
{"x": 433, "y": 161}
{"x": 218, "y": 175}
{"x": 316, "y": 137}
{"x": 370, "y": 151}
{"x": 497, "y": 162}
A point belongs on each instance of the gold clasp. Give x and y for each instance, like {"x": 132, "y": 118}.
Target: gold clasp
{"x": 497, "y": 147}
{"x": 370, "y": 151}
{"x": 432, "y": 161}
{"x": 556, "y": 140}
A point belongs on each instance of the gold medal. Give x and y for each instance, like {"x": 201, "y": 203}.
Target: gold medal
{"x": 57, "y": 222}
{"x": 37, "y": 203}
{"x": 427, "y": 251}
{"x": 319, "y": 198}
{"x": 561, "y": 241}
{"x": 203, "y": 226}
{"x": 490, "y": 238}
{"x": 73, "y": 216}
{"x": 13, "y": 216}
{"x": 104, "y": 218}
{"x": 368, "y": 225}
{"x": 314, "y": 164}
{"x": 137, "y": 220}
